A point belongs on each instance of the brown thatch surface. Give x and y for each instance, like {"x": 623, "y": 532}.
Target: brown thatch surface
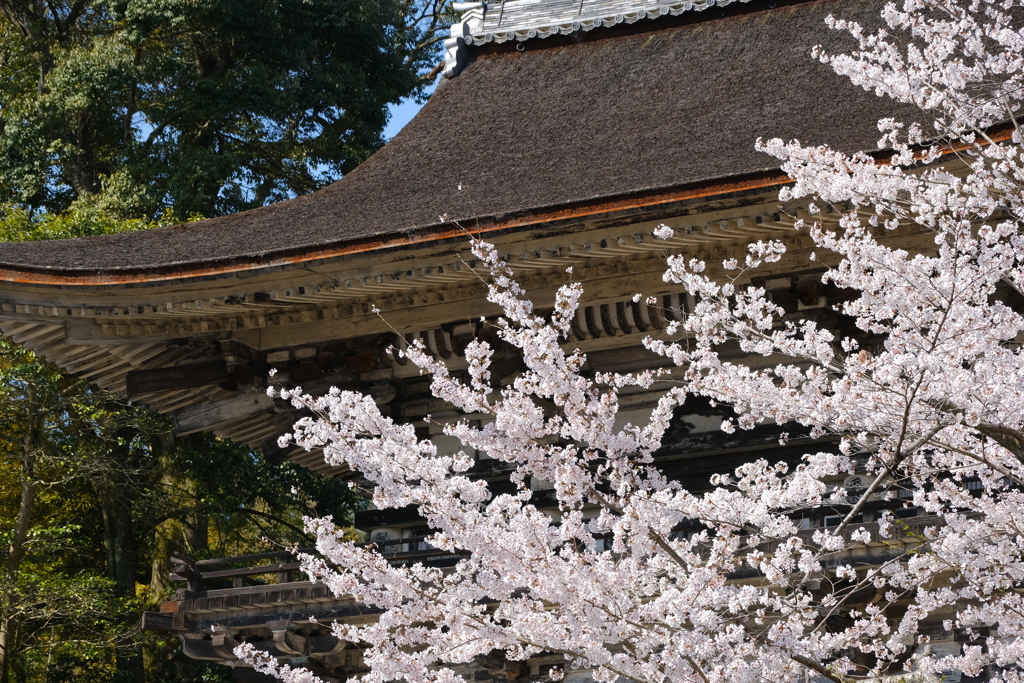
{"x": 561, "y": 123}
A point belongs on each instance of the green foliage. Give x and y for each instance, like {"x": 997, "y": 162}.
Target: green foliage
{"x": 72, "y": 616}
{"x": 206, "y": 107}
{"x": 257, "y": 506}
{"x": 113, "y": 493}
{"x": 54, "y": 594}
{"x": 118, "y": 116}
{"x": 67, "y": 625}
{"x": 18, "y": 224}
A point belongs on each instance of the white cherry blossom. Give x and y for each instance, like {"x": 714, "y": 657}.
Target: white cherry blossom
{"x": 722, "y": 584}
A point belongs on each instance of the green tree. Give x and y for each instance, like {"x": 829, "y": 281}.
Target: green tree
{"x": 206, "y": 107}
{"x": 95, "y": 493}
{"x": 123, "y": 115}
{"x": 51, "y": 585}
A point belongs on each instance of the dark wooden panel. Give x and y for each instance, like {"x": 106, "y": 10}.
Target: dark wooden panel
{"x": 162, "y": 622}
{"x": 176, "y": 377}
{"x": 209, "y": 415}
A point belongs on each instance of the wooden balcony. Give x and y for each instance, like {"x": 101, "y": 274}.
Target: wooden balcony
{"x": 264, "y": 599}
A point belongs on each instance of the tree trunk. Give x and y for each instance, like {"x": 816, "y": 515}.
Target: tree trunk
{"x": 119, "y": 541}
{"x": 168, "y": 536}
{"x": 16, "y": 549}
{"x": 82, "y": 170}
{"x": 198, "y": 533}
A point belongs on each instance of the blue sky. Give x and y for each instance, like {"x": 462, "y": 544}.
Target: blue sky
{"x": 401, "y": 114}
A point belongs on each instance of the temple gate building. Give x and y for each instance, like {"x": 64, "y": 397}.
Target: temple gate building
{"x": 564, "y": 133}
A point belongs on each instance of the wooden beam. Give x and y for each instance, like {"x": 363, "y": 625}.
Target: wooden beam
{"x": 161, "y": 622}
{"x": 91, "y": 331}
{"x": 208, "y": 415}
{"x": 177, "y": 377}
{"x": 603, "y": 283}
{"x": 199, "y": 648}
{"x": 381, "y": 393}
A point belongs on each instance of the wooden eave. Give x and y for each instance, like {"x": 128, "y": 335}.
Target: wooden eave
{"x": 237, "y": 295}
{"x": 103, "y": 333}
{"x": 613, "y": 255}
{"x": 403, "y": 239}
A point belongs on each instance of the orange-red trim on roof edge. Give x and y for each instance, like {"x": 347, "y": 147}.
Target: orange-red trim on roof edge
{"x": 446, "y": 231}
{"x": 998, "y": 133}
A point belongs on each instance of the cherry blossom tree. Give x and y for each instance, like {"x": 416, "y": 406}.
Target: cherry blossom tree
{"x": 638, "y": 578}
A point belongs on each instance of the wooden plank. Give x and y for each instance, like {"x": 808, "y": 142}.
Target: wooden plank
{"x": 25, "y": 336}
{"x": 90, "y": 331}
{"x": 426, "y": 317}
{"x": 253, "y": 557}
{"x": 160, "y": 622}
{"x": 209, "y": 415}
{"x": 197, "y": 648}
{"x": 250, "y": 571}
{"x": 176, "y": 377}
{"x": 602, "y": 284}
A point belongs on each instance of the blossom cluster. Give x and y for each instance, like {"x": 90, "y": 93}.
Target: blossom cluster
{"x": 634, "y": 576}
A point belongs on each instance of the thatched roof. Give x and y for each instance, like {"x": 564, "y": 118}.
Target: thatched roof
{"x": 615, "y": 113}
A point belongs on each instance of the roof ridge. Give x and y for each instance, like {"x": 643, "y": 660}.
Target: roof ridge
{"x": 521, "y": 20}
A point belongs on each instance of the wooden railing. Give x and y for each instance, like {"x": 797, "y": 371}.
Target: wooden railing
{"x": 226, "y": 572}
{"x": 242, "y": 570}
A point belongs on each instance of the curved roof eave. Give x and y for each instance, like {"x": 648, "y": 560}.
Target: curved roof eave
{"x": 409, "y": 238}
{"x": 622, "y": 119}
